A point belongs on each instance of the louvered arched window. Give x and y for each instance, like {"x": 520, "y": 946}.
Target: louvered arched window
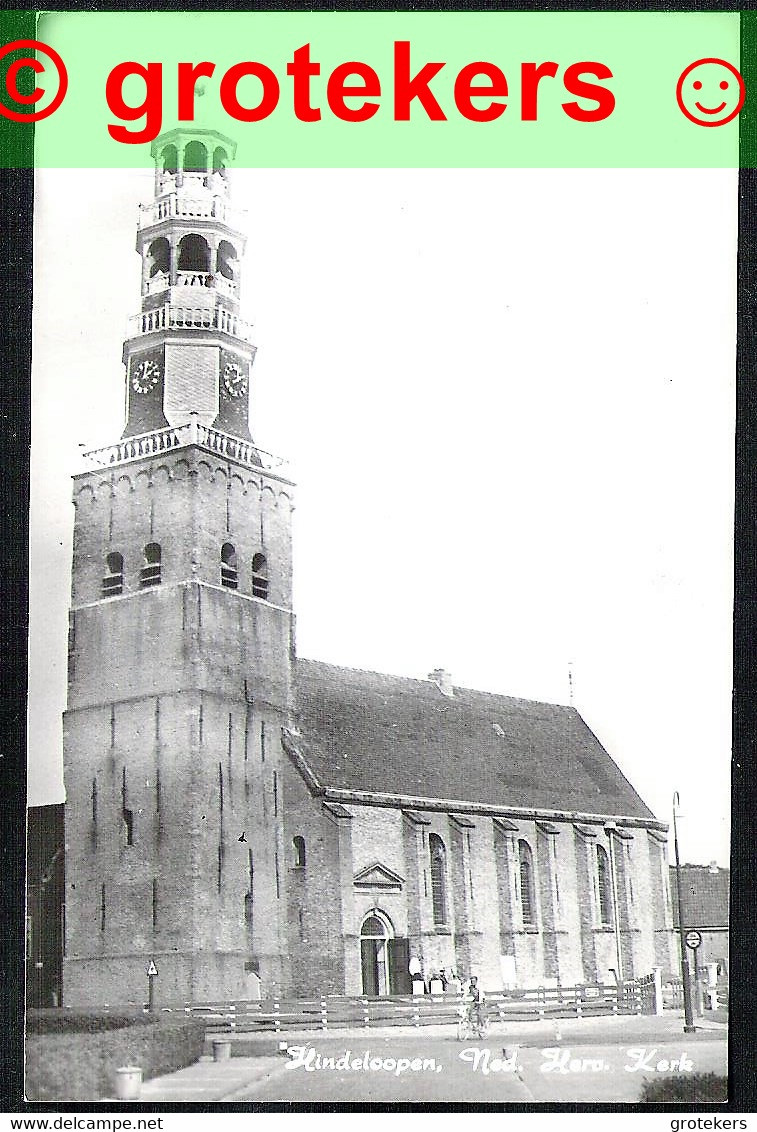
{"x": 150, "y": 575}
{"x": 438, "y": 857}
{"x": 113, "y": 582}
{"x": 259, "y": 576}
{"x": 526, "y": 885}
{"x": 228, "y": 566}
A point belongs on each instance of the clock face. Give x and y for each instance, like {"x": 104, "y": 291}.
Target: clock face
{"x": 146, "y": 376}
{"x": 234, "y": 380}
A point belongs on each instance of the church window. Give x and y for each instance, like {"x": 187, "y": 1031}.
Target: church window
{"x": 102, "y": 908}
{"x": 228, "y": 566}
{"x": 604, "y": 887}
{"x": 150, "y": 574}
{"x": 220, "y": 157}
{"x": 526, "y": 878}
{"x": 259, "y": 576}
{"x": 94, "y": 800}
{"x": 299, "y": 852}
{"x": 113, "y": 582}
{"x": 194, "y": 256}
{"x": 195, "y": 158}
{"x": 128, "y": 816}
{"x": 438, "y": 878}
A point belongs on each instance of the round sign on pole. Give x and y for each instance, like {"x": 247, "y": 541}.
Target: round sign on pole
{"x": 693, "y": 939}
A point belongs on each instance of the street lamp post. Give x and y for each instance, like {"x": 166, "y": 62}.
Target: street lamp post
{"x": 688, "y": 1021}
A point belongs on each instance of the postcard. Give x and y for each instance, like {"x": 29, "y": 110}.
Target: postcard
{"x": 381, "y": 558}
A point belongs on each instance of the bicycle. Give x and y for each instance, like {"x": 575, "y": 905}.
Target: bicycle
{"x": 471, "y": 1024}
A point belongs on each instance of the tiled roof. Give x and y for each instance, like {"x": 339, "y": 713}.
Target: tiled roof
{"x": 704, "y": 894}
{"x": 364, "y": 731}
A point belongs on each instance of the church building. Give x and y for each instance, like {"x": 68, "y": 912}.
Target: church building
{"x": 258, "y": 824}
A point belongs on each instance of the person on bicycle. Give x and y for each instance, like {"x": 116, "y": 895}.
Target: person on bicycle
{"x": 477, "y": 1008}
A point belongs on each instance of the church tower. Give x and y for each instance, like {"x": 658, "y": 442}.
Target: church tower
{"x": 181, "y": 636}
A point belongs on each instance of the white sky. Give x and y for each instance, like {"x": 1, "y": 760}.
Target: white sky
{"x": 508, "y": 397}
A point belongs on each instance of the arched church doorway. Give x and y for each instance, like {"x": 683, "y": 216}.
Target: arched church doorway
{"x": 384, "y": 957}
{"x": 374, "y": 954}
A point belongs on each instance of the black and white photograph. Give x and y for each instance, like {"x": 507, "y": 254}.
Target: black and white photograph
{"x": 381, "y": 590}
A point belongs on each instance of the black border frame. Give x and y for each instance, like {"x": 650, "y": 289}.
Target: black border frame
{"x": 16, "y": 222}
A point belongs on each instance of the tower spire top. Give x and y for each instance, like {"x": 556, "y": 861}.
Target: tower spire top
{"x": 188, "y": 353}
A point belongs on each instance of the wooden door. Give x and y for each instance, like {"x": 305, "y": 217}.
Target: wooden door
{"x": 370, "y": 966}
{"x": 400, "y": 979}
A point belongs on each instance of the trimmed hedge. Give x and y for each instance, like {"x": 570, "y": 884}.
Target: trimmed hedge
{"x": 695, "y": 1088}
{"x": 80, "y": 1065}
{"x": 82, "y": 1022}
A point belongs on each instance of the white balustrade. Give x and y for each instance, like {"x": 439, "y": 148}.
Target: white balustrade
{"x": 177, "y": 205}
{"x": 189, "y": 318}
{"x": 148, "y": 321}
{"x": 191, "y": 209}
{"x": 133, "y": 447}
{"x": 225, "y": 286}
{"x": 192, "y": 433}
{"x": 192, "y": 318}
{"x": 158, "y": 282}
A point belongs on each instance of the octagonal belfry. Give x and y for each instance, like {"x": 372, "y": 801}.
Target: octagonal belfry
{"x": 188, "y": 352}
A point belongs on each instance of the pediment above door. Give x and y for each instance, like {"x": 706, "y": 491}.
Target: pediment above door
{"x": 378, "y": 876}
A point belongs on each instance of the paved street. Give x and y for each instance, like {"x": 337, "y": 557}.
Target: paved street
{"x": 605, "y": 1063}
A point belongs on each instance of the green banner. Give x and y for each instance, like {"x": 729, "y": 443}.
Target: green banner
{"x": 392, "y": 89}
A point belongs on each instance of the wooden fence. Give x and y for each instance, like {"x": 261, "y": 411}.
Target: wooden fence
{"x": 672, "y": 992}
{"x": 332, "y": 1012}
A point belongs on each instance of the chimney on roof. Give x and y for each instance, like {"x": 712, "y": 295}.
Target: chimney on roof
{"x": 713, "y": 868}
{"x": 443, "y": 681}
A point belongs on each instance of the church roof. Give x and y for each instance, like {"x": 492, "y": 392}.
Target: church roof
{"x": 367, "y": 732}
